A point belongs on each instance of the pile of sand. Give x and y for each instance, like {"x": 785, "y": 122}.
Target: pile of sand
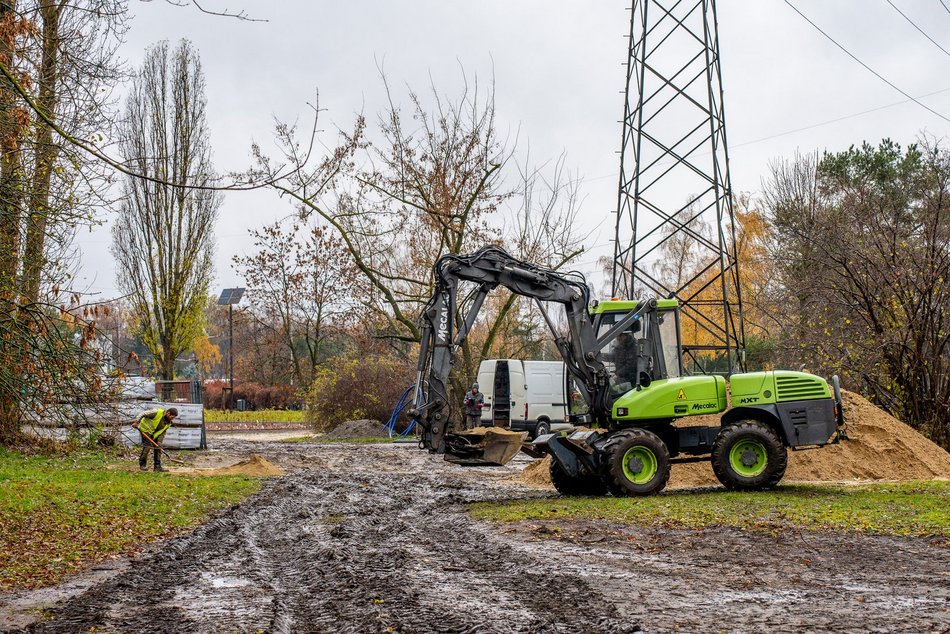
{"x": 362, "y": 428}
{"x": 537, "y": 473}
{"x": 253, "y": 466}
{"x": 880, "y": 448}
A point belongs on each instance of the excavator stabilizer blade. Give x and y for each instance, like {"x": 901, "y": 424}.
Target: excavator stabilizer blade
{"x": 484, "y": 446}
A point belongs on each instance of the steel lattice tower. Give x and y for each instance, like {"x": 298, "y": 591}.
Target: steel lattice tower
{"x": 675, "y": 234}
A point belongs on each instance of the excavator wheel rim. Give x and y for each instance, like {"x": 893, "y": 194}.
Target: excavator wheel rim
{"x": 647, "y": 459}
{"x": 740, "y": 449}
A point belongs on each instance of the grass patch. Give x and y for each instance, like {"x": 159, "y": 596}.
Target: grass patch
{"x": 59, "y": 514}
{"x": 905, "y": 509}
{"x": 257, "y": 416}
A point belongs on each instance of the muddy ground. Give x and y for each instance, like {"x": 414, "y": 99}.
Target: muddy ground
{"x": 364, "y": 538}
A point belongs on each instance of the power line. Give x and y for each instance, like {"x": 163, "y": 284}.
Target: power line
{"x": 945, "y": 6}
{"x": 839, "y": 119}
{"x": 903, "y": 15}
{"x": 868, "y": 68}
{"x": 804, "y": 128}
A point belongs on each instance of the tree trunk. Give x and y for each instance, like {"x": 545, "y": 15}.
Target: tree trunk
{"x": 46, "y": 155}
{"x": 11, "y": 176}
{"x": 11, "y": 196}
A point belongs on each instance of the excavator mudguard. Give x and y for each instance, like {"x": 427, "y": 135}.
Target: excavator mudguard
{"x": 483, "y": 446}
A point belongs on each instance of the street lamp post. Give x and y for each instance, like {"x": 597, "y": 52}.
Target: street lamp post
{"x": 230, "y": 297}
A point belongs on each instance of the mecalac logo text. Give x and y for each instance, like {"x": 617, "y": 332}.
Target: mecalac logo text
{"x": 443, "y": 331}
{"x": 704, "y": 406}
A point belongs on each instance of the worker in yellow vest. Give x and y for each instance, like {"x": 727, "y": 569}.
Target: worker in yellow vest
{"x": 152, "y": 425}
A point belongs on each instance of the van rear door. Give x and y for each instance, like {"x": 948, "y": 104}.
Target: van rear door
{"x": 501, "y": 391}
{"x": 518, "y": 389}
{"x": 546, "y": 398}
{"x": 486, "y": 385}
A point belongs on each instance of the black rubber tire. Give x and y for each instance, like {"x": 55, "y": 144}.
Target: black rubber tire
{"x": 775, "y": 452}
{"x": 614, "y": 450}
{"x": 543, "y": 427}
{"x": 585, "y": 484}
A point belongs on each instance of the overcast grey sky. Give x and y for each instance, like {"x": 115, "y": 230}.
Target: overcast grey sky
{"x": 558, "y": 80}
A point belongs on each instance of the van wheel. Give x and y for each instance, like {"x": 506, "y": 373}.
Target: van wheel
{"x": 542, "y": 428}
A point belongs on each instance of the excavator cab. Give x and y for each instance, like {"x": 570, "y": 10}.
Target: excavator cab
{"x": 646, "y": 350}
{"x": 648, "y": 384}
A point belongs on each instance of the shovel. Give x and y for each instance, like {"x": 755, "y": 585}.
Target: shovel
{"x": 157, "y": 446}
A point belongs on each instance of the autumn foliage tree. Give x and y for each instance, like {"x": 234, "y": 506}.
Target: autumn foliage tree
{"x": 58, "y": 64}
{"x": 684, "y": 264}
{"x": 301, "y": 283}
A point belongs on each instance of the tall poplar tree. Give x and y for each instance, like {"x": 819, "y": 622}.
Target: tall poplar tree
{"x": 164, "y": 237}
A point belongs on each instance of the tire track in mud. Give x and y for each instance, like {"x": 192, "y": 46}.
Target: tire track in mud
{"x": 379, "y": 542}
{"x": 368, "y": 538}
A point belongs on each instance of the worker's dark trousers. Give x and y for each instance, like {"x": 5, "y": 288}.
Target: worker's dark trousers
{"x": 146, "y": 445}
{"x": 472, "y": 421}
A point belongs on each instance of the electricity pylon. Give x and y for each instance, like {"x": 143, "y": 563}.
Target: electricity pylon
{"x": 675, "y": 234}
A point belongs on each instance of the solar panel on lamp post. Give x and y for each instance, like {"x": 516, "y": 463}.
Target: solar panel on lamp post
{"x": 230, "y": 297}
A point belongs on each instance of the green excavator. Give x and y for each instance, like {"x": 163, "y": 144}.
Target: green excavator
{"x": 625, "y": 359}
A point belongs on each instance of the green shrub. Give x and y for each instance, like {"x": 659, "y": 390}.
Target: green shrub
{"x": 350, "y": 388}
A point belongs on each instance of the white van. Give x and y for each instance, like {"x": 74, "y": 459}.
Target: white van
{"x": 524, "y": 395}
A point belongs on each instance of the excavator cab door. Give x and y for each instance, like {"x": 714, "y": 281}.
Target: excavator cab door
{"x": 650, "y": 348}
{"x": 669, "y": 346}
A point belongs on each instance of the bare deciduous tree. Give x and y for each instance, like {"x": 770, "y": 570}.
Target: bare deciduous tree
{"x": 431, "y": 183}
{"x": 163, "y": 239}
{"x": 300, "y": 282}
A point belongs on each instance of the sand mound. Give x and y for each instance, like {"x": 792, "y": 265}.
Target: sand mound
{"x": 536, "y": 473}
{"x": 253, "y": 466}
{"x": 362, "y": 428}
{"x": 880, "y": 448}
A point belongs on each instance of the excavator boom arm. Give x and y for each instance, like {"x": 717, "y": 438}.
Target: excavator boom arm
{"x": 491, "y": 267}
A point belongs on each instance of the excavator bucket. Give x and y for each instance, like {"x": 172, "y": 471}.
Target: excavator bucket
{"x": 483, "y": 446}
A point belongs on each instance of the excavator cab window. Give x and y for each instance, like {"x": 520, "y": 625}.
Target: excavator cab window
{"x": 651, "y": 343}
{"x": 620, "y": 355}
{"x": 668, "y": 321}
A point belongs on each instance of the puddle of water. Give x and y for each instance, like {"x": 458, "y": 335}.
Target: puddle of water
{"x": 223, "y": 581}
{"x": 229, "y": 582}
